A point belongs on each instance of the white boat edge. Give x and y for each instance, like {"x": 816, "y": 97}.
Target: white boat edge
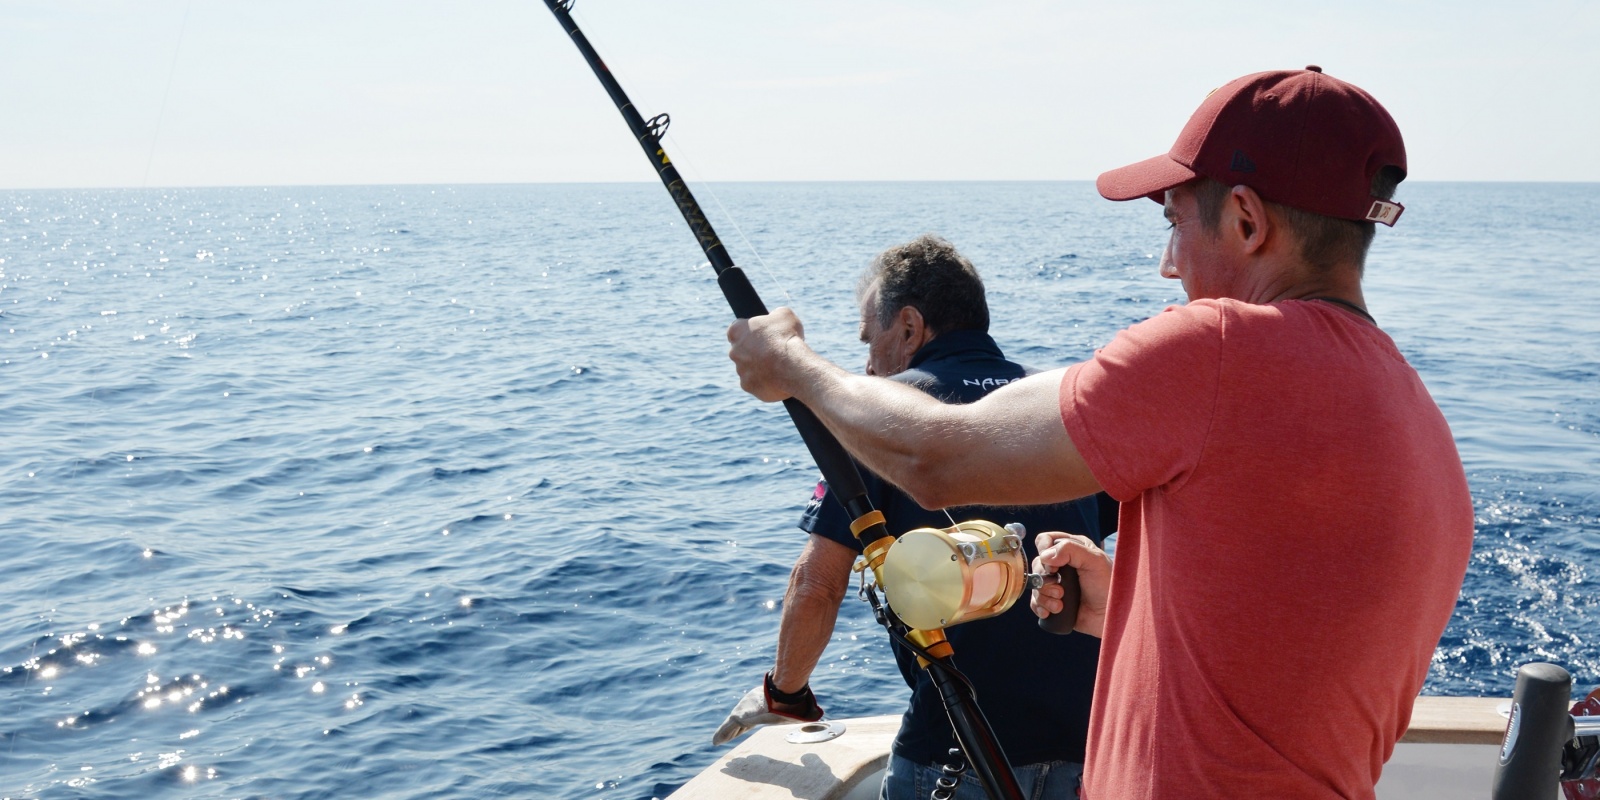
{"x": 1449, "y": 751}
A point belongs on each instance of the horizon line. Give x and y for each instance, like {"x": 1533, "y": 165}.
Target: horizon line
{"x": 657, "y": 183}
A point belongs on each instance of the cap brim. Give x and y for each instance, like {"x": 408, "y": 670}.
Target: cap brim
{"x": 1150, "y": 178}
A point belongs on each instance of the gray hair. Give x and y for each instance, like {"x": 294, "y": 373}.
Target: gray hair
{"x": 927, "y": 274}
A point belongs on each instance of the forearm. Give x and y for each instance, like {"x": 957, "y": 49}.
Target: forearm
{"x": 810, "y": 608}
{"x": 893, "y": 429}
{"x": 1009, "y": 448}
{"x": 803, "y": 634}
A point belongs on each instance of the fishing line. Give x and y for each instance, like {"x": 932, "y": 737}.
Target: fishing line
{"x": 682, "y": 159}
{"x": 165, "y": 93}
{"x": 27, "y": 677}
{"x": 687, "y": 162}
{"x": 765, "y": 270}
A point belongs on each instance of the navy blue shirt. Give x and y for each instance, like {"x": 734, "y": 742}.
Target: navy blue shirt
{"x": 1033, "y": 687}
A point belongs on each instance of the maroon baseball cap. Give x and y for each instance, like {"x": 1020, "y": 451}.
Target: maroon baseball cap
{"x": 1297, "y": 137}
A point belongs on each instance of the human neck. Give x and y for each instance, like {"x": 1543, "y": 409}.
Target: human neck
{"x": 1340, "y": 284}
{"x": 1295, "y": 280}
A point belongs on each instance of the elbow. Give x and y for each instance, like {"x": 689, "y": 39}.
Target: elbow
{"x": 813, "y": 588}
{"x": 929, "y": 480}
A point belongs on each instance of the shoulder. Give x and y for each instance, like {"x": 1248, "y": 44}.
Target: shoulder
{"x": 1192, "y": 318}
{"x": 1203, "y": 325}
{"x": 916, "y": 378}
{"x": 1186, "y": 329}
{"x": 961, "y": 367}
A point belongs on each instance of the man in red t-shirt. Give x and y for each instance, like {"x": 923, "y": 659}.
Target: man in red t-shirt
{"x": 1295, "y": 520}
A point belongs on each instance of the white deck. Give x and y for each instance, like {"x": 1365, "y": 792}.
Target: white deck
{"x": 1449, "y": 752}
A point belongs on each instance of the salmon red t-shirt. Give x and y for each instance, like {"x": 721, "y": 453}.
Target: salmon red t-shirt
{"x": 1295, "y": 528}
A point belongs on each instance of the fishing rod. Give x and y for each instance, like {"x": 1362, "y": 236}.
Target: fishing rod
{"x": 973, "y": 733}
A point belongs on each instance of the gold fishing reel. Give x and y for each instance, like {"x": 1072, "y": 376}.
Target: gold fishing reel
{"x": 937, "y": 578}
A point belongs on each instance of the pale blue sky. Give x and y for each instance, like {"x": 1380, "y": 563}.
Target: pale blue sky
{"x": 427, "y": 91}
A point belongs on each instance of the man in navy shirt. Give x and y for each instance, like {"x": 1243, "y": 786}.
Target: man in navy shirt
{"x": 925, "y": 322}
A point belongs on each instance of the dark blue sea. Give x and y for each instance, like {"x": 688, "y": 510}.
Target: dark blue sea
{"x": 450, "y": 492}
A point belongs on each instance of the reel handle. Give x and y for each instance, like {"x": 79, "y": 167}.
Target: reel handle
{"x": 1061, "y": 622}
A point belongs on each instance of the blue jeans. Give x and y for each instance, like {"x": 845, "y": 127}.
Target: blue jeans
{"x": 1051, "y": 780}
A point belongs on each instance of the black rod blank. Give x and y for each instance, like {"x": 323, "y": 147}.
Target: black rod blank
{"x": 844, "y": 481}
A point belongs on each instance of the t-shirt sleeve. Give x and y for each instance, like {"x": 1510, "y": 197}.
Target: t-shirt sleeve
{"x": 1140, "y": 410}
{"x": 825, "y": 516}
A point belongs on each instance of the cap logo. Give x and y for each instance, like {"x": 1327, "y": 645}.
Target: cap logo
{"x": 1242, "y": 162}
{"x": 1386, "y": 213}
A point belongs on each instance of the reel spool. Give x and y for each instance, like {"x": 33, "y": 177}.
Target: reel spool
{"x": 937, "y": 578}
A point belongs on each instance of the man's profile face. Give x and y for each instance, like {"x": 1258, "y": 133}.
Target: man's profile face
{"x": 885, "y": 346}
{"x": 1192, "y": 254}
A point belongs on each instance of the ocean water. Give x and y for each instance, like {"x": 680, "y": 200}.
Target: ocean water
{"x": 427, "y": 491}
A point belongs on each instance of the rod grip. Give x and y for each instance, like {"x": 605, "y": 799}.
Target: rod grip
{"x": 844, "y": 480}
{"x": 1530, "y": 754}
{"x": 742, "y": 297}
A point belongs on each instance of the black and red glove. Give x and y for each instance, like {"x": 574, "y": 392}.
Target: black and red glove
{"x": 766, "y": 705}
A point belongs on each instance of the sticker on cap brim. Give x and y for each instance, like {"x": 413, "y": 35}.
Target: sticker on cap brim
{"x": 1385, "y": 212}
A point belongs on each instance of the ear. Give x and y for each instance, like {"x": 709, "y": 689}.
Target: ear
{"x": 912, "y": 328}
{"x": 1245, "y": 216}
